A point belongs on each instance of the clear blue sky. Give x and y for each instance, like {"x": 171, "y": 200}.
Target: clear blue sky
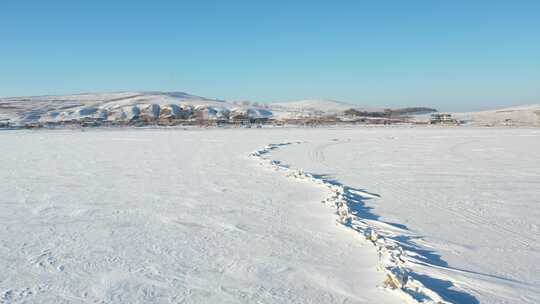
{"x": 453, "y": 55}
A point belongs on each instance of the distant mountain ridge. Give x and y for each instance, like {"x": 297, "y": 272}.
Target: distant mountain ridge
{"x": 171, "y": 108}
{"x": 153, "y": 106}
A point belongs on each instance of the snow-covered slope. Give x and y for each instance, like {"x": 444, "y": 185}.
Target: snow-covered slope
{"x": 314, "y": 107}
{"x": 121, "y": 106}
{"x": 525, "y": 115}
{"x": 155, "y": 107}
{"x": 126, "y": 106}
{"x": 171, "y": 108}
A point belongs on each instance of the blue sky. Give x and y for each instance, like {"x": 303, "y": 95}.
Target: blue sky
{"x": 453, "y": 55}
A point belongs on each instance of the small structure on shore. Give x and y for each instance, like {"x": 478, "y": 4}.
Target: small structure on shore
{"x": 442, "y": 118}
{"x": 4, "y": 123}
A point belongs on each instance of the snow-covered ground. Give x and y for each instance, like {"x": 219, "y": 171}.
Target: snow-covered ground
{"x": 524, "y": 115}
{"x": 463, "y": 202}
{"x": 168, "y": 215}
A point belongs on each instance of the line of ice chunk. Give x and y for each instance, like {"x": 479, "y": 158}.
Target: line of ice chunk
{"x": 392, "y": 257}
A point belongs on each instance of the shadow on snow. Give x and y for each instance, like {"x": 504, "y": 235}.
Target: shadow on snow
{"x": 446, "y": 289}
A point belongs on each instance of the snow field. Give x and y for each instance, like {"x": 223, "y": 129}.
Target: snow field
{"x": 461, "y": 202}
{"x": 348, "y": 203}
{"x": 169, "y": 216}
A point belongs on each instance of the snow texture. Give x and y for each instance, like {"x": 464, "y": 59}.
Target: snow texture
{"x": 461, "y": 202}
{"x": 168, "y": 216}
{"x": 418, "y": 214}
{"x": 392, "y": 257}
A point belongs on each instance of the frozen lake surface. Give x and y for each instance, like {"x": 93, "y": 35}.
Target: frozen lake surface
{"x": 465, "y": 202}
{"x": 169, "y": 216}
{"x": 174, "y": 216}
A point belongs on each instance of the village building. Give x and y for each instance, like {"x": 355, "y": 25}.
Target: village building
{"x": 442, "y": 118}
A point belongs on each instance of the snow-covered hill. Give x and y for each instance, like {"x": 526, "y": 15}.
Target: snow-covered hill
{"x": 525, "y": 115}
{"x": 120, "y": 107}
{"x": 314, "y": 107}
{"x": 152, "y": 107}
{"x": 172, "y": 108}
